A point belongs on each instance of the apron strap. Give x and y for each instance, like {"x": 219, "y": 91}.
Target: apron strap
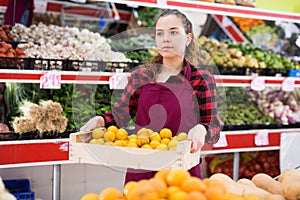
{"x": 188, "y": 72}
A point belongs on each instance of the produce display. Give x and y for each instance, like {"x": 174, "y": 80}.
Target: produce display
{"x": 243, "y": 55}
{"x": 44, "y": 118}
{"x": 247, "y": 23}
{"x": 7, "y": 50}
{"x": 79, "y": 102}
{"x": 249, "y": 3}
{"x": 280, "y": 105}
{"x": 145, "y": 16}
{"x": 136, "y": 47}
{"x": 5, "y": 33}
{"x": 251, "y": 163}
{"x": 180, "y": 185}
{"x": 262, "y": 35}
{"x": 51, "y": 41}
{"x": 144, "y": 138}
{"x": 264, "y": 186}
{"x": 242, "y": 110}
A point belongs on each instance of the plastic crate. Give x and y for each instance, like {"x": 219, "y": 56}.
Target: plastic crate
{"x": 228, "y": 70}
{"x": 274, "y": 72}
{"x": 294, "y": 73}
{"x": 64, "y": 64}
{"x": 12, "y": 63}
{"x": 20, "y": 188}
{"x": 126, "y": 157}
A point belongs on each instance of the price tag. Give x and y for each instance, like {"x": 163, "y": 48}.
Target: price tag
{"x": 288, "y": 84}
{"x": 261, "y": 138}
{"x": 118, "y": 81}
{"x": 50, "y": 80}
{"x": 222, "y": 142}
{"x": 161, "y": 2}
{"x": 40, "y": 6}
{"x": 258, "y": 84}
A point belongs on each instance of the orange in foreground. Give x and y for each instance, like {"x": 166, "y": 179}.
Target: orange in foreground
{"x": 110, "y": 193}
{"x": 90, "y": 196}
{"x": 176, "y": 177}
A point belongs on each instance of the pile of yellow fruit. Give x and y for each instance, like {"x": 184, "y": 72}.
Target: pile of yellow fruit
{"x": 170, "y": 185}
{"x": 144, "y": 138}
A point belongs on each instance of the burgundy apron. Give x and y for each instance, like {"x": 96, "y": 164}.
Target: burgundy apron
{"x": 167, "y": 105}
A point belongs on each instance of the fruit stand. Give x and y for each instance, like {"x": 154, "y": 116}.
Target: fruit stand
{"x": 101, "y": 73}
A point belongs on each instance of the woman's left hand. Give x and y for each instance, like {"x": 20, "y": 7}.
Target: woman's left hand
{"x": 197, "y": 135}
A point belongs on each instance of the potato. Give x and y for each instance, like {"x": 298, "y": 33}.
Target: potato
{"x": 238, "y": 188}
{"x": 288, "y": 172}
{"x": 246, "y": 181}
{"x": 291, "y": 187}
{"x": 266, "y": 182}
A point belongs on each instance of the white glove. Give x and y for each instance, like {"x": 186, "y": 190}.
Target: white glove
{"x": 91, "y": 124}
{"x": 197, "y": 135}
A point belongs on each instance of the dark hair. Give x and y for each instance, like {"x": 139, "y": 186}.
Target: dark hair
{"x": 192, "y": 50}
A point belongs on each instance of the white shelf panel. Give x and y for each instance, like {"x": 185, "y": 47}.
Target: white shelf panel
{"x": 215, "y": 8}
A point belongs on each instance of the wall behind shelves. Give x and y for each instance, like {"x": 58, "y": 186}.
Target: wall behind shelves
{"x": 280, "y": 5}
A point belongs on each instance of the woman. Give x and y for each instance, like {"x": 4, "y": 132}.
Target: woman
{"x": 169, "y": 92}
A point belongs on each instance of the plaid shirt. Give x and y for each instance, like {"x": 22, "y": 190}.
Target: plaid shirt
{"x": 203, "y": 84}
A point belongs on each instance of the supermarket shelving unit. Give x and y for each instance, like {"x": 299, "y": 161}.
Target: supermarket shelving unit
{"x": 24, "y": 153}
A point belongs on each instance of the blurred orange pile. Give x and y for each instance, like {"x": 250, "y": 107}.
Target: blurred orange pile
{"x": 5, "y": 33}
{"x": 6, "y": 50}
{"x": 246, "y": 23}
{"x": 170, "y": 185}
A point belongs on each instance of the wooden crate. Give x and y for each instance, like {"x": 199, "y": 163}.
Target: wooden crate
{"x": 128, "y": 157}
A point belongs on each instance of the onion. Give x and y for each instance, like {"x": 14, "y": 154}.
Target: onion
{"x": 4, "y": 128}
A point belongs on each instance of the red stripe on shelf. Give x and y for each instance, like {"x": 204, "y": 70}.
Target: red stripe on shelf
{"x": 18, "y": 76}
{"x": 86, "y": 11}
{"x": 145, "y": 1}
{"x": 90, "y": 12}
{"x": 234, "y": 10}
{"x": 64, "y": 77}
{"x": 234, "y": 141}
{"x": 54, "y": 7}
{"x": 33, "y": 152}
{"x": 219, "y": 17}
{"x": 84, "y": 77}
{"x": 234, "y": 34}
{"x": 232, "y": 81}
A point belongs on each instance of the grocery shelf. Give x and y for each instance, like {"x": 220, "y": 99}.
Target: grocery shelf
{"x": 191, "y": 5}
{"x": 34, "y": 76}
{"x": 92, "y": 11}
{"x": 34, "y": 152}
{"x": 216, "y": 8}
{"x": 244, "y": 141}
{"x": 245, "y": 81}
{"x": 23, "y": 153}
{"x": 233, "y": 141}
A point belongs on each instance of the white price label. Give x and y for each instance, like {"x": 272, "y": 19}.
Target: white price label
{"x": 118, "y": 81}
{"x": 40, "y": 6}
{"x": 222, "y": 142}
{"x": 161, "y": 2}
{"x": 261, "y": 138}
{"x": 50, "y": 80}
{"x": 288, "y": 84}
{"x": 258, "y": 84}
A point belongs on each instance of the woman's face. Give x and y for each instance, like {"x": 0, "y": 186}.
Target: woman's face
{"x": 171, "y": 39}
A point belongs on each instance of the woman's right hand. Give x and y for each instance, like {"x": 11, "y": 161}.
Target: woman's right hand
{"x": 93, "y": 123}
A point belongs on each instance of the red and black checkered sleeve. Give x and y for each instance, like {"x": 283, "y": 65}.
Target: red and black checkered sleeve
{"x": 125, "y": 109}
{"x": 204, "y": 85}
